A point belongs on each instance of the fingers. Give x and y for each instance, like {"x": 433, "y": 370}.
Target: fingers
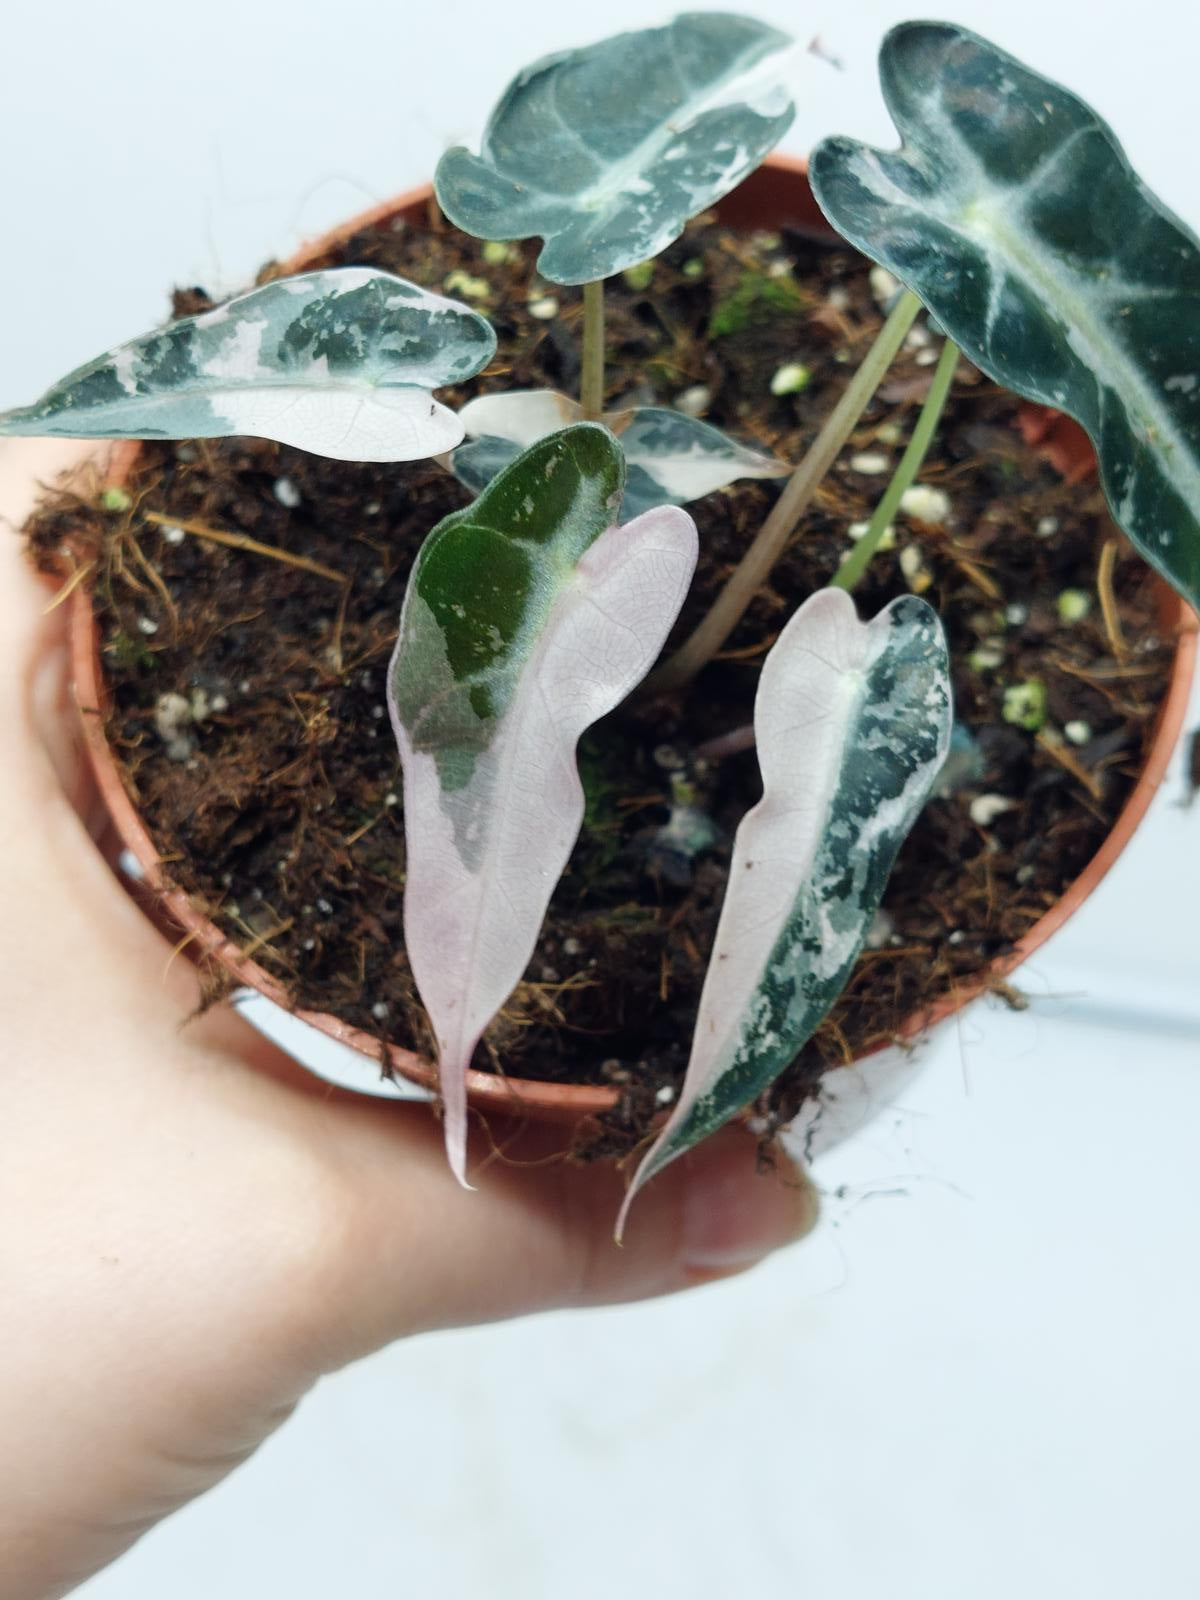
{"x": 56, "y": 724}
{"x": 417, "y": 1252}
{"x": 39, "y": 718}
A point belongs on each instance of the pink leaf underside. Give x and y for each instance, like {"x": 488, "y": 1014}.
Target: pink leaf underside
{"x": 471, "y": 928}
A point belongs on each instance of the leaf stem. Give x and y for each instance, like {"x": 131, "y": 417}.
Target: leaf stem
{"x": 591, "y": 387}
{"x": 855, "y": 564}
{"x": 752, "y": 571}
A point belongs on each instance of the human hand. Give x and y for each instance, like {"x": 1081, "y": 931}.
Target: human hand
{"x": 192, "y": 1228}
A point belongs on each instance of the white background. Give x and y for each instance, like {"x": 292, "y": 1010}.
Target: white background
{"x": 980, "y": 1379}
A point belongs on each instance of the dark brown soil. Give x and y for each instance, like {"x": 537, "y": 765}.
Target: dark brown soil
{"x": 278, "y": 808}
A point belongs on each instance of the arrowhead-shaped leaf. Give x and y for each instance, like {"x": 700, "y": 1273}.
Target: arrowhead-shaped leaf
{"x": 1011, "y": 210}
{"x": 607, "y": 151}
{"x": 527, "y": 616}
{"x": 670, "y": 458}
{"x": 339, "y": 362}
{"x": 853, "y": 725}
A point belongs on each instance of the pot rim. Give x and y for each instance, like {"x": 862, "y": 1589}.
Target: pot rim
{"x": 567, "y": 1102}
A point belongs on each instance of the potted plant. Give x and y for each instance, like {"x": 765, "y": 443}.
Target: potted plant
{"x": 545, "y": 564}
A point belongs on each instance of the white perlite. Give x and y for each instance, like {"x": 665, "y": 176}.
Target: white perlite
{"x": 888, "y": 541}
{"x": 173, "y": 718}
{"x": 884, "y": 287}
{"x": 694, "y": 402}
{"x": 987, "y": 807}
{"x": 791, "y": 378}
{"x": 926, "y": 504}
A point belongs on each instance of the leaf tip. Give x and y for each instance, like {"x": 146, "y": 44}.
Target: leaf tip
{"x": 656, "y": 1158}
{"x": 452, "y": 1072}
{"x": 456, "y": 1149}
{"x": 631, "y": 1195}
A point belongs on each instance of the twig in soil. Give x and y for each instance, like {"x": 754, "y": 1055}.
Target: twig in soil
{"x": 896, "y": 952}
{"x": 361, "y": 833}
{"x": 70, "y": 586}
{"x": 1060, "y": 753}
{"x": 242, "y": 541}
{"x": 830, "y": 1030}
{"x": 532, "y": 1002}
{"x": 156, "y": 579}
{"x": 976, "y": 575}
{"x": 339, "y": 626}
{"x": 260, "y": 939}
{"x": 639, "y": 802}
{"x": 1100, "y": 676}
{"x": 1108, "y": 600}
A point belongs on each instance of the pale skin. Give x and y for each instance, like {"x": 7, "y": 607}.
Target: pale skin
{"x": 193, "y": 1229}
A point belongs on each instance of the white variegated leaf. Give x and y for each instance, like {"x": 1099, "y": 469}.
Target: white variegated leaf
{"x": 685, "y": 458}
{"x": 607, "y": 151}
{"x": 339, "y": 362}
{"x": 528, "y": 615}
{"x": 520, "y": 416}
{"x": 852, "y": 722}
{"x": 670, "y": 458}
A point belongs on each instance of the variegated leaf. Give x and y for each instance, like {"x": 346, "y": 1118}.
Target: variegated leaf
{"x": 1012, "y": 211}
{"x": 605, "y": 152}
{"x": 528, "y": 615}
{"x": 853, "y": 725}
{"x": 339, "y": 362}
{"x": 670, "y": 458}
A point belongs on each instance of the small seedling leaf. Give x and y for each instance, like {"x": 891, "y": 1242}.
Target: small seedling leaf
{"x": 670, "y": 458}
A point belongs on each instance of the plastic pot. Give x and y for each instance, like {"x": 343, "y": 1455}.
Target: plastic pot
{"x": 776, "y": 195}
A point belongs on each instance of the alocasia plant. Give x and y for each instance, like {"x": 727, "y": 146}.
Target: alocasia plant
{"x": 527, "y": 616}
{"x": 1009, "y": 211}
{"x": 338, "y": 362}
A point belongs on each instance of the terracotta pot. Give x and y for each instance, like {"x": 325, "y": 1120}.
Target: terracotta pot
{"x": 777, "y": 194}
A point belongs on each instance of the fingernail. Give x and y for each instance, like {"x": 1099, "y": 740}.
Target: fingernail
{"x": 734, "y": 1216}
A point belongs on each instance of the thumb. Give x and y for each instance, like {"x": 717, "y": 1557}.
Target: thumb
{"x": 423, "y": 1253}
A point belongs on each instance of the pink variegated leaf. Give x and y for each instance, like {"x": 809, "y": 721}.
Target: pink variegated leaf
{"x": 528, "y": 616}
